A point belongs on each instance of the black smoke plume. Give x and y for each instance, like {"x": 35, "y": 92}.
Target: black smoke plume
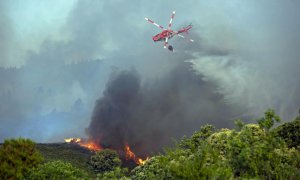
{"x": 148, "y": 115}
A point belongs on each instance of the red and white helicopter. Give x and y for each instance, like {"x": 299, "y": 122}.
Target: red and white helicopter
{"x": 167, "y": 34}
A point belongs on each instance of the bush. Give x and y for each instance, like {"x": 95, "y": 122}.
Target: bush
{"x": 268, "y": 120}
{"x": 152, "y": 169}
{"x": 203, "y": 163}
{"x": 251, "y": 151}
{"x": 17, "y": 157}
{"x": 117, "y": 173}
{"x": 197, "y": 138}
{"x": 193, "y": 158}
{"x": 290, "y": 133}
{"x": 105, "y": 161}
{"x": 255, "y": 152}
{"x": 57, "y": 170}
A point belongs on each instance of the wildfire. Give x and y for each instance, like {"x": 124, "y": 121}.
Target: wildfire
{"x": 130, "y": 155}
{"x": 73, "y": 140}
{"x": 90, "y": 144}
{"x": 141, "y": 161}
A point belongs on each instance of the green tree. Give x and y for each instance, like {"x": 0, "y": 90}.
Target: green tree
{"x": 57, "y": 170}
{"x": 239, "y": 124}
{"x": 200, "y": 164}
{"x": 290, "y": 133}
{"x": 254, "y": 152}
{"x": 197, "y": 138}
{"x": 17, "y": 157}
{"x": 152, "y": 169}
{"x": 250, "y": 151}
{"x": 192, "y": 158}
{"x": 269, "y": 119}
{"x": 105, "y": 161}
{"x": 116, "y": 174}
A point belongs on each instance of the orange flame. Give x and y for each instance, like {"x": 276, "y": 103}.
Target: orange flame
{"x": 140, "y": 161}
{"x": 130, "y": 155}
{"x": 92, "y": 145}
{"x": 89, "y": 144}
{"x": 73, "y": 140}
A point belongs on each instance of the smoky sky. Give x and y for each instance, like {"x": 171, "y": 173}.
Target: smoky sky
{"x": 56, "y": 61}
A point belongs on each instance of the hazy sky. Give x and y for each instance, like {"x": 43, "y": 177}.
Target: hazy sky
{"x": 57, "y": 56}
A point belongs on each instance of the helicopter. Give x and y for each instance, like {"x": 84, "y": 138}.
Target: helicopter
{"x": 168, "y": 33}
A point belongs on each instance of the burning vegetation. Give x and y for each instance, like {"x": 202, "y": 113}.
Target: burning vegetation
{"x": 209, "y": 153}
{"x": 137, "y": 118}
{"x": 94, "y": 146}
{"x": 131, "y": 156}
{"x": 89, "y": 144}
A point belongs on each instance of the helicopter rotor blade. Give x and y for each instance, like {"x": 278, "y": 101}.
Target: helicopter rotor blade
{"x": 185, "y": 37}
{"x": 172, "y": 17}
{"x": 155, "y": 24}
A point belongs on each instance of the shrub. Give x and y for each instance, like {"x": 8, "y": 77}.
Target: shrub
{"x": 219, "y": 141}
{"x": 152, "y": 169}
{"x": 290, "y": 133}
{"x": 197, "y": 138}
{"x": 250, "y": 151}
{"x": 201, "y": 164}
{"x": 57, "y": 170}
{"x": 17, "y": 157}
{"x": 117, "y": 173}
{"x": 193, "y": 158}
{"x": 255, "y": 152}
{"x": 105, "y": 161}
{"x": 268, "y": 120}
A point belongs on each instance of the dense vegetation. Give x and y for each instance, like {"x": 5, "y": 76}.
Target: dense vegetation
{"x": 17, "y": 157}
{"x": 290, "y": 133}
{"x": 67, "y": 152}
{"x": 56, "y": 170}
{"x": 251, "y": 151}
{"x": 105, "y": 161}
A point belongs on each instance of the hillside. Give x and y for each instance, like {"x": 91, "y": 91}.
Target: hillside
{"x": 68, "y": 152}
{"x": 258, "y": 151}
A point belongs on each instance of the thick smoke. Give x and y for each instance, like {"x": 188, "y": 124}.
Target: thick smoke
{"x": 261, "y": 70}
{"x": 245, "y": 57}
{"x": 236, "y": 70}
{"x": 149, "y": 115}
